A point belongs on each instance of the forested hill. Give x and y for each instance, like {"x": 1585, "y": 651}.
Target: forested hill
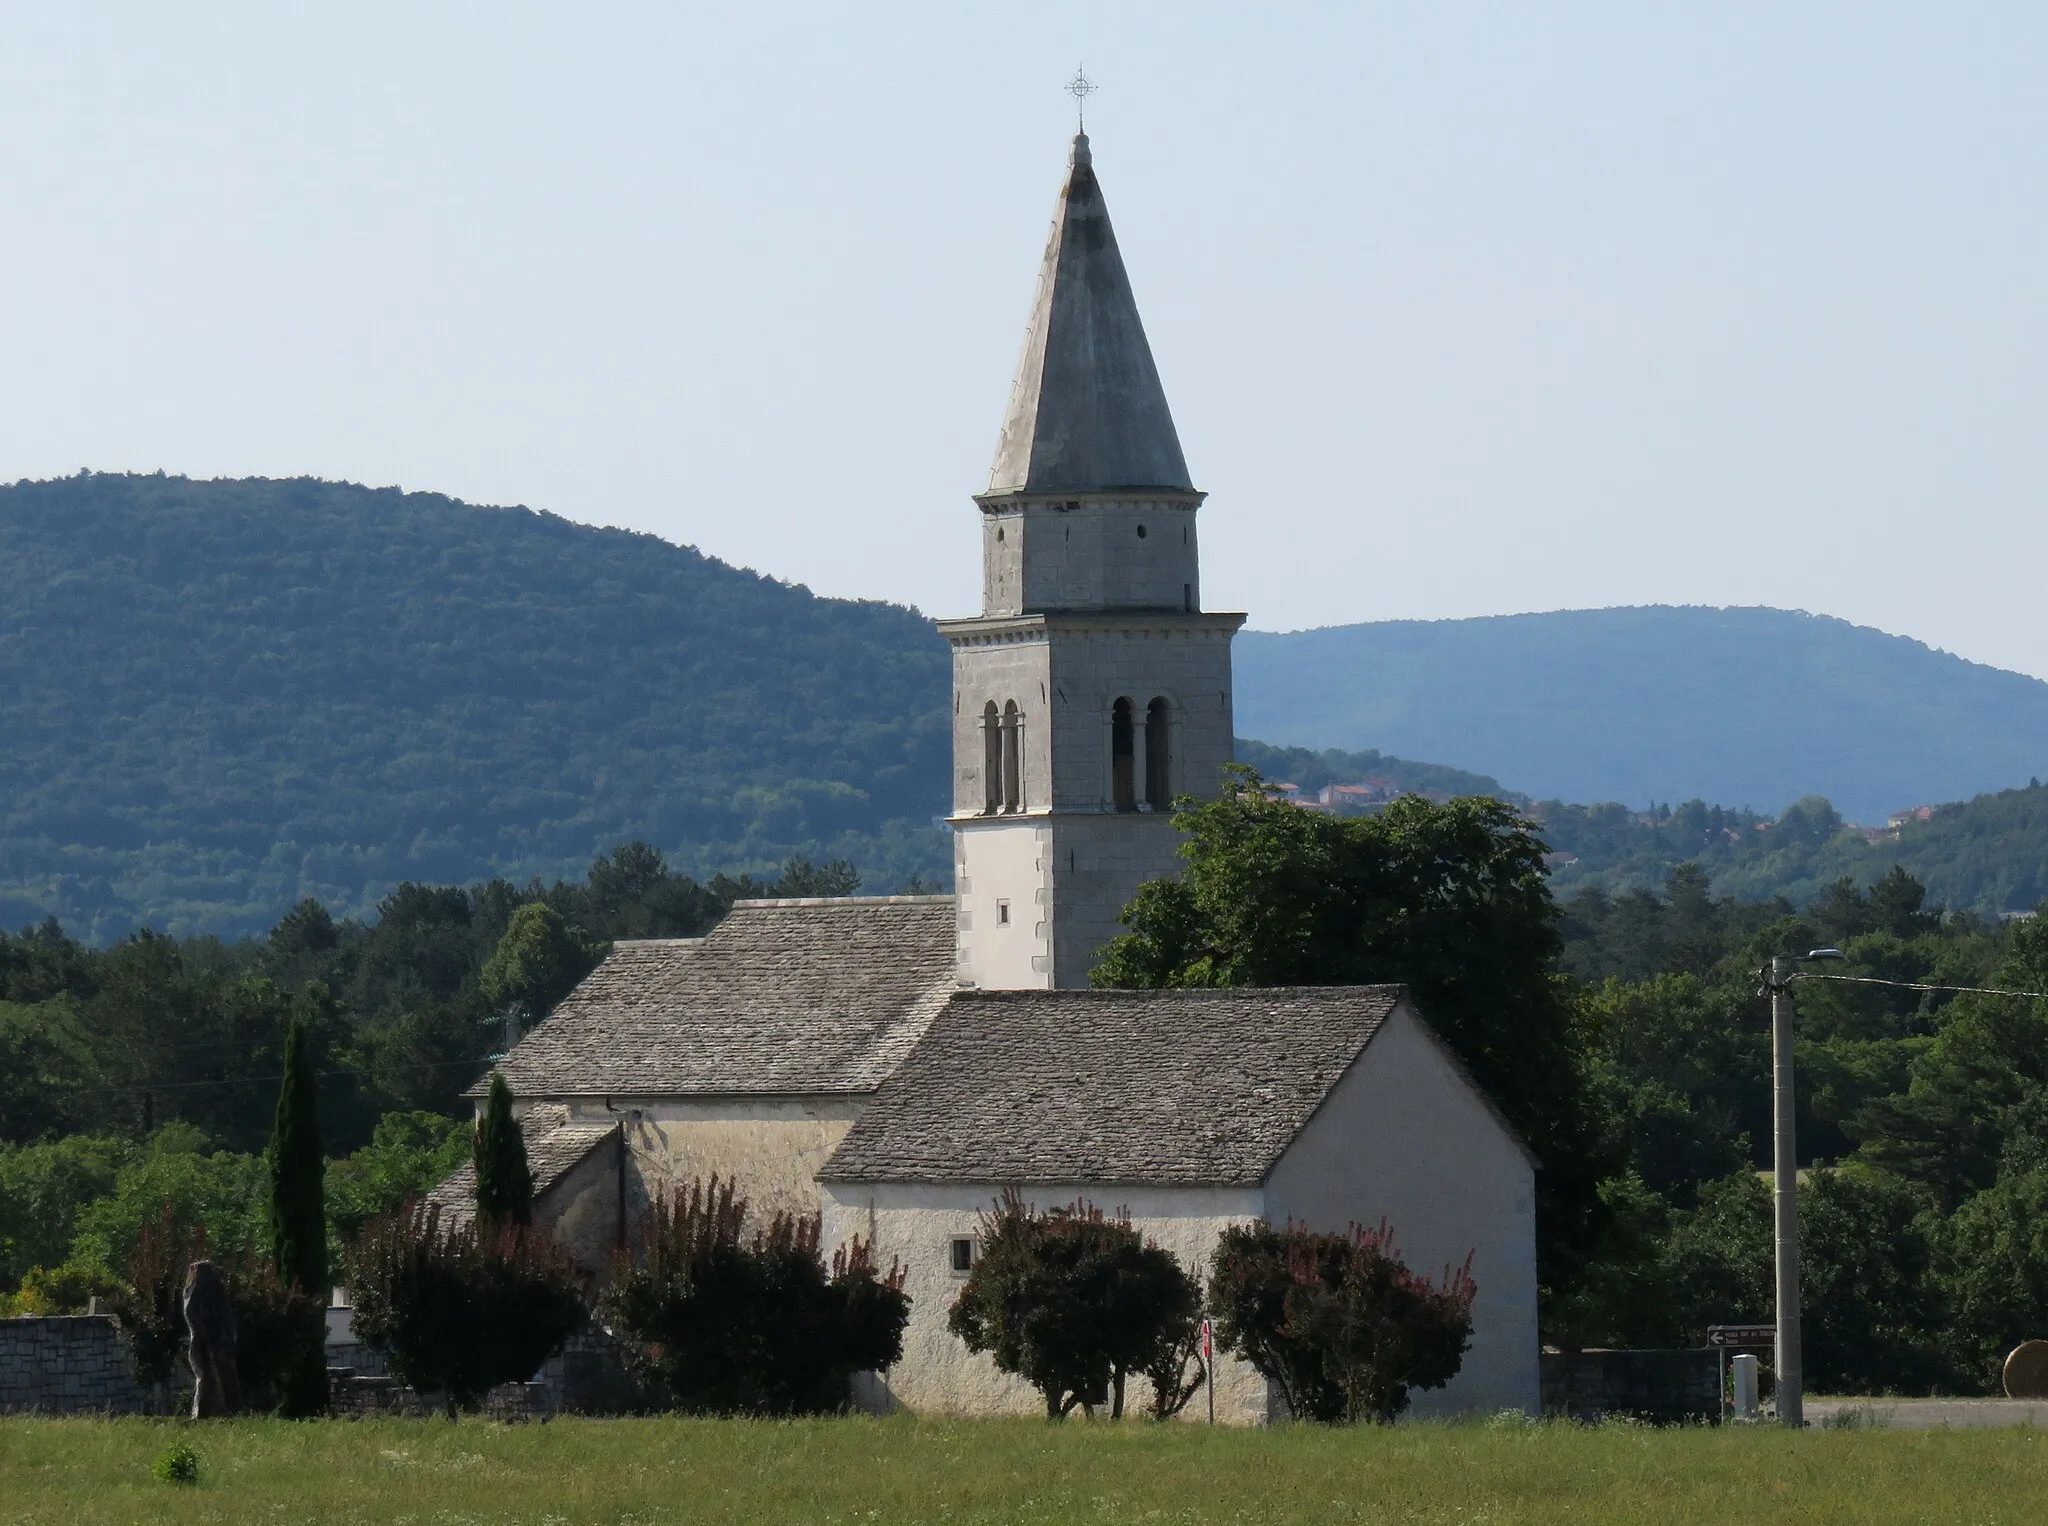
{"x": 1743, "y": 707}
{"x": 219, "y": 697}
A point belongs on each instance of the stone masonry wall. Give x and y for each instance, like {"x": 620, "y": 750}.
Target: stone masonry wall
{"x": 66, "y": 1365}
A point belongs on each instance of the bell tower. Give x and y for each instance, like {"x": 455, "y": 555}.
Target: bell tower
{"x": 1092, "y": 689}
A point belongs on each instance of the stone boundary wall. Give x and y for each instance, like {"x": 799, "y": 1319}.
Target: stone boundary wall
{"x": 75, "y": 1364}
{"x": 1675, "y": 1387}
{"x": 67, "y": 1364}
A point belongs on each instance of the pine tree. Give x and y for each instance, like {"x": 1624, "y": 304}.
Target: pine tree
{"x": 504, "y": 1185}
{"x": 298, "y": 1198}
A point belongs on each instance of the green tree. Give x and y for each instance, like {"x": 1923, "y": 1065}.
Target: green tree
{"x": 1450, "y": 900}
{"x": 1683, "y": 1073}
{"x": 408, "y": 1154}
{"x": 504, "y": 1184}
{"x": 298, "y": 1200}
{"x": 220, "y": 1192}
{"x": 1874, "y": 1318}
{"x": 43, "y": 1188}
{"x": 536, "y": 963}
{"x": 291, "y": 1292}
{"x": 1998, "y": 1258}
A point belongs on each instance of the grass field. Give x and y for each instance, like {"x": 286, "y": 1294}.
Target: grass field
{"x": 76, "y": 1472}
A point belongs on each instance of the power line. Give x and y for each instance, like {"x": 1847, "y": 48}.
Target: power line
{"x": 1914, "y": 985}
{"x": 322, "y": 1075}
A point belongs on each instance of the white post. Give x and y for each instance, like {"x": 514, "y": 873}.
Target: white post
{"x": 1745, "y": 1385}
{"x": 1209, "y": 1366}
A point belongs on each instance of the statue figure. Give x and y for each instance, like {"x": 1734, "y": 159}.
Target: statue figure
{"x": 210, "y": 1318}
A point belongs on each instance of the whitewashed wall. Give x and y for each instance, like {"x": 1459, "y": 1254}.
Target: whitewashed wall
{"x": 916, "y": 1225}
{"x": 1405, "y": 1138}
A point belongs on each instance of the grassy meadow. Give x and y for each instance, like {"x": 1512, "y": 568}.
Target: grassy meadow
{"x": 76, "y": 1472}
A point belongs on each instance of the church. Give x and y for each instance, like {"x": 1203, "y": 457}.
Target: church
{"x": 895, "y": 1062}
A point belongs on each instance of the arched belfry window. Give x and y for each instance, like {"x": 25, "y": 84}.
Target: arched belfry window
{"x": 1123, "y": 783}
{"x": 991, "y": 759}
{"x": 1013, "y": 758}
{"x": 1158, "y": 750}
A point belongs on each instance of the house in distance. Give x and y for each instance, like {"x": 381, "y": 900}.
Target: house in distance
{"x": 896, "y": 1062}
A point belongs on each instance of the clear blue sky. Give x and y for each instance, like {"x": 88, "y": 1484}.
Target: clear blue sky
{"x": 1462, "y": 309}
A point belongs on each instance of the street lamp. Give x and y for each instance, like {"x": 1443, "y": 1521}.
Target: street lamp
{"x": 1785, "y": 1182}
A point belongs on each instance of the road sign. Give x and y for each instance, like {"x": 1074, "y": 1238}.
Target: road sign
{"x": 1742, "y": 1335}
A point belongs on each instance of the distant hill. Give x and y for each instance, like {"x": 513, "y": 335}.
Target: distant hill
{"x": 219, "y": 697}
{"x": 1751, "y": 707}
{"x": 1988, "y": 854}
{"x": 216, "y": 697}
{"x": 1311, "y": 769}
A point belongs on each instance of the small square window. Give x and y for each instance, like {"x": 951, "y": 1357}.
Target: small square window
{"x": 963, "y": 1255}
{"x": 1002, "y": 913}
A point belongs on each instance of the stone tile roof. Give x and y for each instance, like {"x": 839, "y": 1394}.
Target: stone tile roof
{"x": 1168, "y": 1087}
{"x": 554, "y": 1148}
{"x": 794, "y": 997}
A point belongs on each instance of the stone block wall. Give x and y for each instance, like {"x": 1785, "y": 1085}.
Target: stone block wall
{"x": 1665, "y": 1387}
{"x": 67, "y": 1365}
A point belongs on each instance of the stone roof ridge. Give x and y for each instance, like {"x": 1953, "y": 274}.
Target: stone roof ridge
{"x": 1087, "y": 412}
{"x": 1395, "y": 988}
{"x": 776, "y": 903}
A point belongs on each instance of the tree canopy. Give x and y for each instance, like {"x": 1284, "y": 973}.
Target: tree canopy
{"x": 1448, "y": 899}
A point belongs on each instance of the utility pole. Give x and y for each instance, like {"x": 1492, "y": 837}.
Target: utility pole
{"x": 1785, "y": 1195}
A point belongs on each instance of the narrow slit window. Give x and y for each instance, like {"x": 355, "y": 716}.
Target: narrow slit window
{"x": 1158, "y": 745}
{"x": 1122, "y": 757}
{"x": 991, "y": 759}
{"x": 962, "y": 1255}
{"x": 1013, "y": 758}
{"x": 1002, "y": 913}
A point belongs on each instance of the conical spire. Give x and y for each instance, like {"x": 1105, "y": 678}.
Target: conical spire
{"x": 1087, "y": 413}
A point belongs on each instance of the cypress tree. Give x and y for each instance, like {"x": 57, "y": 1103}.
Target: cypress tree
{"x": 504, "y": 1185}
{"x": 298, "y": 1168}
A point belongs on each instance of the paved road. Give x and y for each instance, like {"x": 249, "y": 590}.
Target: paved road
{"x": 1929, "y": 1414}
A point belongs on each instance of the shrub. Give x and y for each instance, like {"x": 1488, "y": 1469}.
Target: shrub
{"x": 152, "y": 1319}
{"x": 458, "y": 1309}
{"x": 280, "y": 1331}
{"x": 1073, "y": 1303}
{"x": 65, "y": 1289}
{"x": 728, "y": 1323}
{"x": 176, "y": 1464}
{"x": 280, "y": 1341}
{"x": 1335, "y": 1321}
